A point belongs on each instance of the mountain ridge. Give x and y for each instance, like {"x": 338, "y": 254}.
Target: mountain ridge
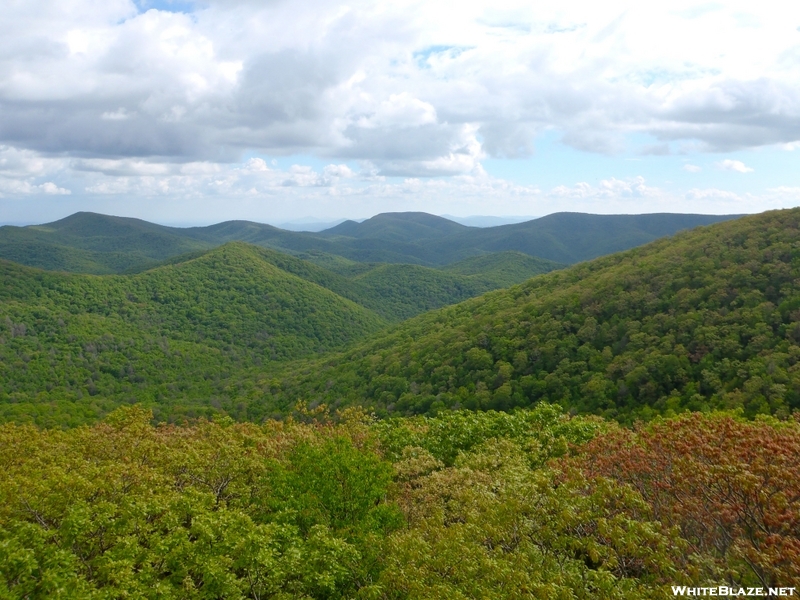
{"x": 104, "y": 244}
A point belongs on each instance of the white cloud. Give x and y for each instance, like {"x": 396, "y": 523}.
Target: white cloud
{"x": 733, "y": 165}
{"x": 691, "y": 168}
{"x": 267, "y": 77}
{"x": 121, "y": 102}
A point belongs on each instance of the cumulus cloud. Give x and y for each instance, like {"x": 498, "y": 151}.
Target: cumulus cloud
{"x": 392, "y": 82}
{"x": 118, "y": 99}
{"x": 733, "y": 165}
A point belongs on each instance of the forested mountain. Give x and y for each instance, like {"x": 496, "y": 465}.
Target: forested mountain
{"x": 707, "y": 319}
{"x": 174, "y": 333}
{"x": 188, "y": 334}
{"x": 330, "y": 502}
{"x": 92, "y": 243}
{"x": 567, "y": 237}
{"x": 98, "y": 244}
{"x": 399, "y": 227}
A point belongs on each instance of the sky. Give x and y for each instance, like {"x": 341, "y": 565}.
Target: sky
{"x": 184, "y": 112}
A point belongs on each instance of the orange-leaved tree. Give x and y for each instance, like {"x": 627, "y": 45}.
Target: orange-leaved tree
{"x": 732, "y": 487}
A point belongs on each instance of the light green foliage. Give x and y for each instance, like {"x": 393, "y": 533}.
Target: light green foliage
{"x": 492, "y": 527}
{"x": 328, "y": 510}
{"x": 124, "y": 509}
{"x": 543, "y": 432}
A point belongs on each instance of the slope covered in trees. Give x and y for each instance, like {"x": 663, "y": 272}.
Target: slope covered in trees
{"x": 503, "y": 269}
{"x": 173, "y": 334}
{"x": 464, "y": 505}
{"x": 707, "y": 319}
{"x": 193, "y": 334}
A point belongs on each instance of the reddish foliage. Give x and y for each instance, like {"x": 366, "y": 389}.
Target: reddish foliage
{"x": 731, "y": 487}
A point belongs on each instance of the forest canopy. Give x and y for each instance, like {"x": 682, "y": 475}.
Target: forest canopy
{"x": 467, "y": 504}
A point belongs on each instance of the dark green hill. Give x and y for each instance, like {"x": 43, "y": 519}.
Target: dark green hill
{"x": 567, "y": 237}
{"x": 707, "y": 319}
{"x": 91, "y": 243}
{"x": 503, "y": 269}
{"x": 72, "y": 346}
{"x": 97, "y": 244}
{"x": 399, "y": 227}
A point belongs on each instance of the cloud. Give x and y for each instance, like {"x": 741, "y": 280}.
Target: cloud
{"x": 117, "y": 100}
{"x": 691, "y": 168}
{"x": 733, "y": 165}
{"x": 391, "y": 83}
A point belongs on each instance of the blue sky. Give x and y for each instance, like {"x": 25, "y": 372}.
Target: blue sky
{"x": 182, "y": 112}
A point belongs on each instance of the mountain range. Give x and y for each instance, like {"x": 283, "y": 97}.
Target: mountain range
{"x": 100, "y": 244}
{"x": 707, "y": 318}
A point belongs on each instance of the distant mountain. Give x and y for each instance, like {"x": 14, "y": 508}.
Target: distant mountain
{"x": 308, "y": 224}
{"x": 707, "y": 319}
{"x": 567, "y": 237}
{"x": 91, "y": 243}
{"x": 398, "y": 227}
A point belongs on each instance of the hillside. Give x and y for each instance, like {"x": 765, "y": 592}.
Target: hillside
{"x": 567, "y": 237}
{"x": 99, "y": 244}
{"x": 397, "y": 291}
{"x": 72, "y": 346}
{"x": 194, "y": 333}
{"x": 502, "y": 269}
{"x": 707, "y": 319}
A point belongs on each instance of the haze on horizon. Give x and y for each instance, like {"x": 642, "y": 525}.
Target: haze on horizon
{"x": 183, "y": 112}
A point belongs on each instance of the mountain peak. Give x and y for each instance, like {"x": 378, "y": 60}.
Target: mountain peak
{"x": 398, "y": 226}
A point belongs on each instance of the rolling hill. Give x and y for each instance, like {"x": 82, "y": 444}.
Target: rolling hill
{"x": 707, "y": 319}
{"x": 96, "y": 244}
{"x": 189, "y": 334}
{"x": 72, "y": 346}
{"x": 399, "y": 227}
{"x": 99, "y": 244}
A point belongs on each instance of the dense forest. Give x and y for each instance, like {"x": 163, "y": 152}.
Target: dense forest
{"x": 707, "y": 319}
{"x": 184, "y": 335}
{"x": 532, "y": 504}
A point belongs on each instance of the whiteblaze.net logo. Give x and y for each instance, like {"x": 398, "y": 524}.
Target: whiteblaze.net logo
{"x": 728, "y": 592}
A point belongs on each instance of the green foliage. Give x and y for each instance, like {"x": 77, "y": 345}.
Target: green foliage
{"x": 98, "y": 244}
{"x": 503, "y": 269}
{"x": 179, "y": 337}
{"x": 708, "y": 319}
{"x": 127, "y": 510}
{"x": 124, "y": 509}
{"x": 543, "y": 432}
